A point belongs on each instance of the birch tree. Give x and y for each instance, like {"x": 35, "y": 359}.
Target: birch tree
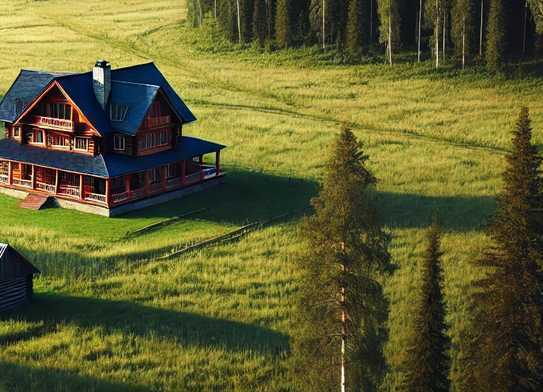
{"x": 464, "y": 30}
{"x": 389, "y": 28}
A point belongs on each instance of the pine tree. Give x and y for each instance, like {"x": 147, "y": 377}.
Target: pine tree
{"x": 509, "y": 327}
{"x": 341, "y": 309}
{"x": 495, "y": 38}
{"x": 260, "y": 26}
{"x": 283, "y": 23}
{"x": 426, "y": 363}
{"x": 389, "y": 27}
{"x": 356, "y": 36}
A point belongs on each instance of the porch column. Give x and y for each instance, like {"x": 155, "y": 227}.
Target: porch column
{"x": 33, "y": 177}
{"x": 10, "y": 171}
{"x": 56, "y": 180}
{"x": 107, "y": 191}
{"x": 218, "y": 162}
{"x": 127, "y": 185}
{"x": 81, "y": 188}
{"x": 183, "y": 172}
{"x": 201, "y": 162}
{"x": 163, "y": 172}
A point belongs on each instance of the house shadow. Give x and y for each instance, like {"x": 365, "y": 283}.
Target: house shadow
{"x": 47, "y": 311}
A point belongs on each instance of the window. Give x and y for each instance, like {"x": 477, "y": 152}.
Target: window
{"x": 36, "y": 136}
{"x": 119, "y": 143}
{"x": 81, "y": 143}
{"x": 155, "y": 175}
{"x": 16, "y": 131}
{"x": 59, "y": 110}
{"x": 172, "y": 170}
{"x": 56, "y": 140}
{"x": 154, "y": 139}
{"x": 118, "y": 112}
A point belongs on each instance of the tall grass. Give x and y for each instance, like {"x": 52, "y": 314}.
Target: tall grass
{"x": 108, "y": 318}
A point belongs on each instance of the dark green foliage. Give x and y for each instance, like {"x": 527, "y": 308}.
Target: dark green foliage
{"x": 357, "y": 34}
{"x": 426, "y": 364}
{"x": 509, "y": 327}
{"x": 465, "y": 29}
{"x": 260, "y": 25}
{"x": 496, "y": 38}
{"x": 282, "y": 23}
{"x": 346, "y": 248}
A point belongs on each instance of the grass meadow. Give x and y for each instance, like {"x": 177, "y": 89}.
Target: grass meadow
{"x": 109, "y": 317}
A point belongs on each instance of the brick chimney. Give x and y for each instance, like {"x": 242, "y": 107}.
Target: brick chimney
{"x": 101, "y": 83}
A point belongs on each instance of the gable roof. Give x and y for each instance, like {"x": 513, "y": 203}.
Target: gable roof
{"x": 136, "y": 86}
{"x": 27, "y": 86}
{"x": 13, "y": 264}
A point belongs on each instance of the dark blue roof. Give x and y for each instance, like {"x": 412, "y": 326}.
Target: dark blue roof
{"x": 150, "y": 74}
{"x": 110, "y": 165}
{"x": 147, "y": 77}
{"x": 27, "y": 86}
{"x": 137, "y": 97}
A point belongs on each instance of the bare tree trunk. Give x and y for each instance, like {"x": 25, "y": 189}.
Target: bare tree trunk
{"x": 239, "y": 21}
{"x": 481, "y": 29}
{"x": 371, "y": 22}
{"x": 437, "y": 22}
{"x": 215, "y": 9}
{"x": 464, "y": 42}
{"x": 390, "y": 33}
{"x": 444, "y": 35}
{"x": 200, "y": 13}
{"x": 420, "y": 31}
{"x": 343, "y": 327}
{"x": 324, "y": 24}
{"x": 525, "y": 33}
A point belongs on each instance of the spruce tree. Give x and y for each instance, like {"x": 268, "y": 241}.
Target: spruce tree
{"x": 495, "y": 37}
{"x": 357, "y": 34}
{"x": 509, "y": 327}
{"x": 283, "y": 23}
{"x": 426, "y": 365}
{"x": 260, "y": 26}
{"x": 340, "y": 301}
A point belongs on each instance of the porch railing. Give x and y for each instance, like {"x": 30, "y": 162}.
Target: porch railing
{"x": 52, "y": 122}
{"x": 46, "y": 187}
{"x": 209, "y": 171}
{"x": 119, "y": 197}
{"x": 4, "y": 178}
{"x": 96, "y": 197}
{"x": 23, "y": 183}
{"x": 69, "y": 190}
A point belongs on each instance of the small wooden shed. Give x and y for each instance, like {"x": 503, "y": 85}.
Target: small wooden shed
{"x": 16, "y": 275}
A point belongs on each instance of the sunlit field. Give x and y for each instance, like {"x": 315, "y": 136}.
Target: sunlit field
{"x": 109, "y": 316}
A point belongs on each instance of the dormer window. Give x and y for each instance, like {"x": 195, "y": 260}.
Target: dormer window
{"x": 62, "y": 111}
{"x": 81, "y": 143}
{"x": 119, "y": 143}
{"x": 118, "y": 112}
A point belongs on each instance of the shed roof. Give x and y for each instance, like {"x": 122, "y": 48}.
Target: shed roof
{"x": 105, "y": 166}
{"x": 13, "y": 264}
{"x": 136, "y": 85}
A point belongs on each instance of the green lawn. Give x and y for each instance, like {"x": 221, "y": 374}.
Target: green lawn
{"x": 107, "y": 318}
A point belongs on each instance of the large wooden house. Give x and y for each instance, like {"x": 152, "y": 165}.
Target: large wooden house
{"x": 106, "y": 141}
{"x": 16, "y": 276}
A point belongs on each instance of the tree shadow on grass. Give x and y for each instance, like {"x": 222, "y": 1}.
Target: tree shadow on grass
{"x": 456, "y": 213}
{"x": 16, "y": 377}
{"x": 186, "y": 329}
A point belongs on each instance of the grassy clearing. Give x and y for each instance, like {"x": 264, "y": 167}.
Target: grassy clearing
{"x": 219, "y": 319}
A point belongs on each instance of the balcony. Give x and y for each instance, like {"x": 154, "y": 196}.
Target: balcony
{"x": 154, "y": 122}
{"x": 54, "y": 123}
{"x": 4, "y": 178}
{"x": 23, "y": 183}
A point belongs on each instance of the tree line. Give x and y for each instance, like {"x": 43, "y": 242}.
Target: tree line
{"x": 341, "y": 311}
{"x": 490, "y": 32}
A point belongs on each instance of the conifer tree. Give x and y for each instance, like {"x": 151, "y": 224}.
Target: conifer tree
{"x": 509, "y": 327}
{"x": 260, "y": 24}
{"x": 356, "y": 38}
{"x": 341, "y": 308}
{"x": 495, "y": 38}
{"x": 426, "y": 363}
{"x": 283, "y": 23}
